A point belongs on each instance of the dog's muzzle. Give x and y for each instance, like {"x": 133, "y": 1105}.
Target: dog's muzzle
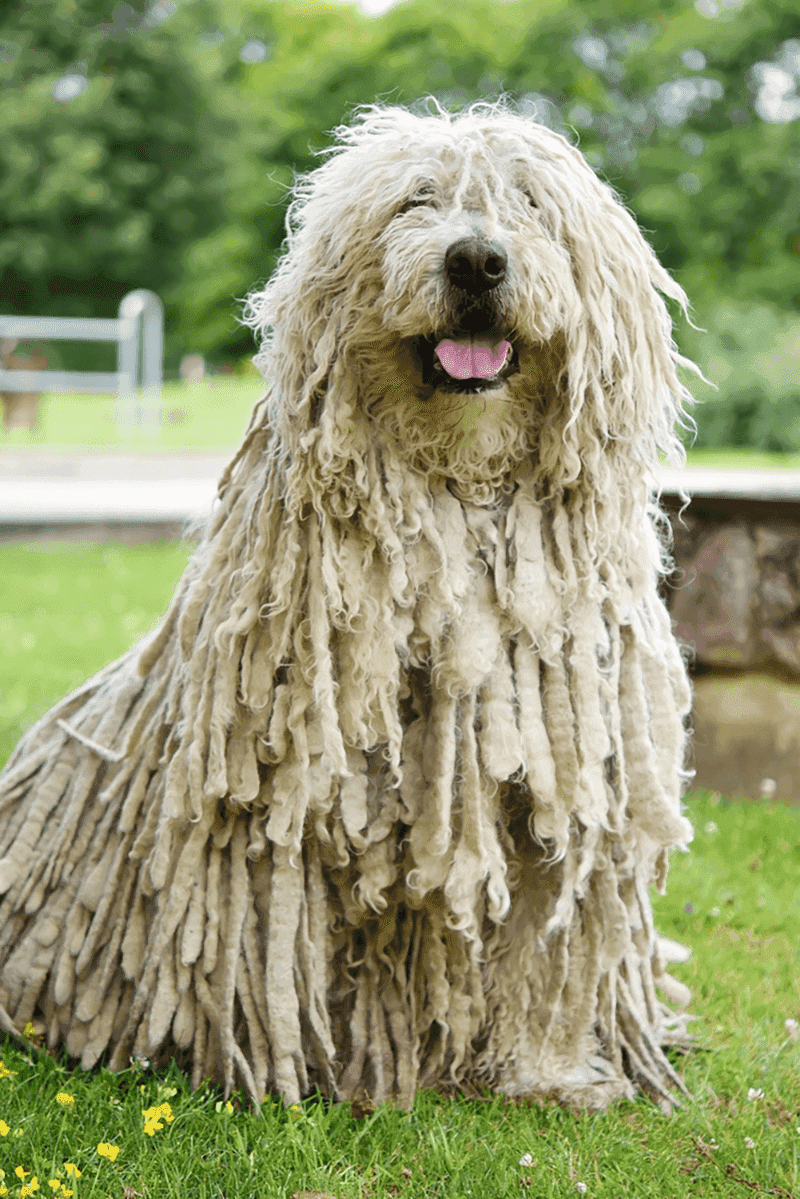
{"x": 473, "y": 353}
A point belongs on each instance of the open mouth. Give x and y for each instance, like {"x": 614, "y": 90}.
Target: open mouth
{"x": 467, "y": 363}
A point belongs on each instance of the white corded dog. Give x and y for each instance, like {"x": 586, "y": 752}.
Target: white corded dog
{"x": 379, "y": 804}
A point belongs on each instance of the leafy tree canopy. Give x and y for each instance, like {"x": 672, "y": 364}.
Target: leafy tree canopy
{"x": 153, "y": 143}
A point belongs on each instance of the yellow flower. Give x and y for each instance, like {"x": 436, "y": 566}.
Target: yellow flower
{"x": 4, "y": 1070}
{"x": 29, "y": 1188}
{"x": 152, "y": 1124}
{"x": 153, "y": 1117}
{"x": 65, "y": 1192}
{"x": 29, "y": 1030}
{"x": 4, "y": 1190}
{"x": 107, "y": 1150}
{"x": 65, "y": 1099}
{"x": 4, "y": 1129}
{"x": 72, "y": 1171}
{"x": 20, "y": 1173}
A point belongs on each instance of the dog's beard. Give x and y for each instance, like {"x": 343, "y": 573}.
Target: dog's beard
{"x": 471, "y": 439}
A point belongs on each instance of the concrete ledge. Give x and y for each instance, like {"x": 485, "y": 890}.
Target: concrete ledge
{"x": 102, "y": 495}
{"x": 732, "y": 483}
{"x": 31, "y": 462}
{"x": 75, "y": 501}
{"x": 113, "y": 491}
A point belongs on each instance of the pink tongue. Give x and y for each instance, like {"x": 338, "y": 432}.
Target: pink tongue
{"x": 471, "y": 358}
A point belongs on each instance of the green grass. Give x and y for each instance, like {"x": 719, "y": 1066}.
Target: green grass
{"x": 214, "y": 414}
{"x": 68, "y": 609}
{"x": 735, "y": 899}
{"x": 208, "y": 415}
{"x": 738, "y": 456}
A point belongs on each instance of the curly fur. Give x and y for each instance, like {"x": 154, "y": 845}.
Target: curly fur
{"x": 379, "y": 804}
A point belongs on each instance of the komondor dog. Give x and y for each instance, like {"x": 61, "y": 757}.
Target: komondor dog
{"x": 378, "y": 805}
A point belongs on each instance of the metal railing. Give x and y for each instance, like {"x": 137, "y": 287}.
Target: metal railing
{"x": 139, "y": 334}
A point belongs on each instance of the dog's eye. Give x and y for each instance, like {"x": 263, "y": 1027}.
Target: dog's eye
{"x": 530, "y": 198}
{"x": 422, "y": 197}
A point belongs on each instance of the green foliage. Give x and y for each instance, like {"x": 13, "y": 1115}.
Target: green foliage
{"x": 749, "y": 352}
{"x": 108, "y": 162}
{"x": 170, "y": 165}
{"x": 714, "y": 183}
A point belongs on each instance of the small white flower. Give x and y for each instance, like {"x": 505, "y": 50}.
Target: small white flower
{"x": 581, "y": 1187}
{"x": 749, "y": 1142}
{"x": 714, "y": 912}
{"x": 792, "y": 1029}
{"x": 711, "y": 828}
{"x": 755, "y": 1093}
{"x": 526, "y": 1160}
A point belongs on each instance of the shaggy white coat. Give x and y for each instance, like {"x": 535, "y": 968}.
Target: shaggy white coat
{"x": 380, "y": 803}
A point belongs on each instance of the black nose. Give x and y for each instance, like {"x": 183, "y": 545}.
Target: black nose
{"x": 475, "y": 265}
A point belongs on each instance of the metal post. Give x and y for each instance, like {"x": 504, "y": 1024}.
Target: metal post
{"x": 140, "y": 357}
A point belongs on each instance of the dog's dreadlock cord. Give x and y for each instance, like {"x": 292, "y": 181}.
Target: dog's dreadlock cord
{"x": 185, "y": 923}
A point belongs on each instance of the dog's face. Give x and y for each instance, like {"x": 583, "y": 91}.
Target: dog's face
{"x": 478, "y": 292}
{"x": 473, "y": 275}
{"x": 468, "y": 286}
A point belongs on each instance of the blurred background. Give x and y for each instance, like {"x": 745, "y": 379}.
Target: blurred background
{"x": 151, "y": 144}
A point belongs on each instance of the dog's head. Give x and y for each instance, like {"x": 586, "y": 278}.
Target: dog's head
{"x": 466, "y": 283}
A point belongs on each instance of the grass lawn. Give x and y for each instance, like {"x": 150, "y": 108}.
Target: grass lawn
{"x": 208, "y": 415}
{"x": 213, "y": 415}
{"x": 735, "y": 899}
{"x": 741, "y": 456}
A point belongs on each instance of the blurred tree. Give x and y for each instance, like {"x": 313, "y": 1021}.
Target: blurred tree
{"x": 107, "y": 155}
{"x": 291, "y": 72}
{"x": 688, "y": 111}
{"x": 156, "y": 146}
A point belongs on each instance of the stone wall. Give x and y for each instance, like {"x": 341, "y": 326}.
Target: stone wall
{"x": 735, "y": 604}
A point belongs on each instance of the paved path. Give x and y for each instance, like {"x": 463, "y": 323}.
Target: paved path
{"x": 64, "y": 488}
{"x": 41, "y": 488}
